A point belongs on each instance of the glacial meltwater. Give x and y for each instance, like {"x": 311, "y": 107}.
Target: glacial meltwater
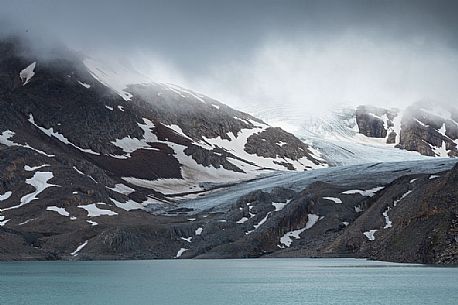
{"x": 234, "y": 282}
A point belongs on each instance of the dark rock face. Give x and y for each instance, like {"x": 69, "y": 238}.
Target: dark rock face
{"x": 376, "y": 122}
{"x": 391, "y": 139}
{"x": 423, "y": 223}
{"x": 427, "y": 128}
{"x": 431, "y": 134}
{"x": 274, "y": 142}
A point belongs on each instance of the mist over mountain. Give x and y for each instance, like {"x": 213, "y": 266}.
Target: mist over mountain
{"x": 300, "y": 58}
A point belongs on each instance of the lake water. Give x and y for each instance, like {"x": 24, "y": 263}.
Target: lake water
{"x": 251, "y": 281}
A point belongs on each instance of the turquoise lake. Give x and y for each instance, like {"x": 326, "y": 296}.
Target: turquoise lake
{"x": 250, "y": 281}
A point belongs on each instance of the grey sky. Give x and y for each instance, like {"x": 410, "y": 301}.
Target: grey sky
{"x": 237, "y": 50}
{"x": 192, "y": 33}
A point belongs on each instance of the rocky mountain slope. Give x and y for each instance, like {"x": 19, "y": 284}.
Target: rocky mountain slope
{"x": 404, "y": 212}
{"x": 159, "y": 137}
{"x": 75, "y": 144}
{"x": 93, "y": 169}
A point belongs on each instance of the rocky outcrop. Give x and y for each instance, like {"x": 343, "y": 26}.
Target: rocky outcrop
{"x": 430, "y": 129}
{"x": 274, "y": 142}
{"x": 376, "y": 122}
{"x": 418, "y": 223}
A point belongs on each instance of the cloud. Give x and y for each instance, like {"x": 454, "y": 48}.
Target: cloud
{"x": 279, "y": 60}
{"x": 297, "y": 80}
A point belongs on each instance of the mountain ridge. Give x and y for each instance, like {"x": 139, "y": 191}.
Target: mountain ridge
{"x": 93, "y": 169}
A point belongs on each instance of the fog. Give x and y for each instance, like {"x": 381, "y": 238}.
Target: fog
{"x": 281, "y": 60}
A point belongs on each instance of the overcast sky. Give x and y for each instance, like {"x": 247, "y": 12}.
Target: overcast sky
{"x": 259, "y": 55}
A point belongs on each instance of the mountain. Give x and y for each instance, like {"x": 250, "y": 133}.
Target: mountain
{"x": 375, "y": 134}
{"x": 156, "y": 136}
{"x": 93, "y": 168}
{"x": 427, "y": 128}
{"x": 75, "y": 145}
{"x": 431, "y": 129}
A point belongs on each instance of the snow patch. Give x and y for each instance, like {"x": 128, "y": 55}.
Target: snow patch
{"x": 3, "y": 221}
{"x": 260, "y": 223}
{"x": 388, "y": 222}
{"x": 280, "y": 205}
{"x": 336, "y": 200}
{"x": 395, "y": 203}
{"x": 129, "y": 145}
{"x": 79, "y": 248}
{"x": 94, "y": 211}
{"x": 54, "y": 134}
{"x": 370, "y": 234}
{"x": 358, "y": 209}
{"x": 25, "y": 222}
{"x": 5, "y": 196}
{"x": 40, "y": 182}
{"x": 442, "y": 130}
{"x": 87, "y": 86}
{"x": 27, "y": 73}
{"x": 178, "y": 130}
{"x": 180, "y": 252}
{"x": 83, "y": 174}
{"x": 32, "y": 169}
{"x": 60, "y": 211}
{"x": 133, "y": 205}
{"x": 242, "y": 220}
{"x": 421, "y": 123}
{"x": 122, "y": 189}
{"x": 366, "y": 193}
{"x": 441, "y": 152}
{"x": 286, "y": 240}
{"x": 8, "y": 134}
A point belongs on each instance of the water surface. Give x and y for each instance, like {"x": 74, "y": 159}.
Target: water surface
{"x": 251, "y": 281}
